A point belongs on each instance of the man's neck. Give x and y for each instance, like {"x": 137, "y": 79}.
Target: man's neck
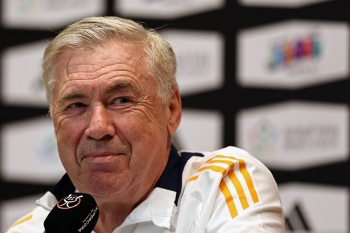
{"x": 111, "y": 216}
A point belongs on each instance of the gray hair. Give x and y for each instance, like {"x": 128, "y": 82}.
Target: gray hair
{"x": 93, "y": 31}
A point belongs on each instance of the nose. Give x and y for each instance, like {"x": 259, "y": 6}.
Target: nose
{"x": 101, "y": 124}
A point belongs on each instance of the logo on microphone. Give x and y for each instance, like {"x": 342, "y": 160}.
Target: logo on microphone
{"x": 69, "y": 202}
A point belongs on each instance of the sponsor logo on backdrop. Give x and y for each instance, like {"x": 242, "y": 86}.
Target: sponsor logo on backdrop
{"x": 295, "y": 135}
{"x": 315, "y": 208}
{"x": 199, "y": 130}
{"x": 37, "y": 148}
{"x": 279, "y": 3}
{"x": 165, "y": 9}
{"x": 263, "y": 138}
{"x": 200, "y": 58}
{"x": 23, "y": 86}
{"x": 293, "y": 54}
{"x": 296, "y": 220}
{"x": 48, "y": 13}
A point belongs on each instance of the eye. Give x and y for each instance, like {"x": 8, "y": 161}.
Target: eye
{"x": 76, "y": 105}
{"x": 121, "y": 101}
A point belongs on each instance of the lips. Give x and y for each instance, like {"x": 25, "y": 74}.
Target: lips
{"x": 101, "y": 151}
{"x": 100, "y": 157}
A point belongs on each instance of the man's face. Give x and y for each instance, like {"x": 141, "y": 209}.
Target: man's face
{"x": 112, "y": 130}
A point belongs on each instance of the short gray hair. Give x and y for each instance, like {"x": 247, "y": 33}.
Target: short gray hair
{"x": 93, "y": 31}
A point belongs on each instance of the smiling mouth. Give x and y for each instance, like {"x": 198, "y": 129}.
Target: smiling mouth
{"x": 98, "y": 158}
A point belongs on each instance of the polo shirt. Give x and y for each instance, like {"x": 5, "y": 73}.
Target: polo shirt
{"x": 227, "y": 190}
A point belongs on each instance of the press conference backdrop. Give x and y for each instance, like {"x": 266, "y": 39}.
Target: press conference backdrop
{"x": 268, "y": 76}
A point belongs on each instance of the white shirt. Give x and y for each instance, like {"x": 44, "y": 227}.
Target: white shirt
{"x": 223, "y": 191}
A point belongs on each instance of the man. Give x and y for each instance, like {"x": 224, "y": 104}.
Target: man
{"x": 115, "y": 106}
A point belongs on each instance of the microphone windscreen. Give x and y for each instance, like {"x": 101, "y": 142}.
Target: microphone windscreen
{"x": 77, "y": 212}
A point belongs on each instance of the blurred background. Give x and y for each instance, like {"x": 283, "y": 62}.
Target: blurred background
{"x": 268, "y": 76}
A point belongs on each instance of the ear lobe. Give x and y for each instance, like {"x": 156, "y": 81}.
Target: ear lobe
{"x": 175, "y": 112}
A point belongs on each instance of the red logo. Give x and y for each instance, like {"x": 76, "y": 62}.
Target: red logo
{"x": 69, "y": 202}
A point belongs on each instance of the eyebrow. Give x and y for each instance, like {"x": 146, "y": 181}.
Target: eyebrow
{"x": 71, "y": 96}
{"x": 117, "y": 86}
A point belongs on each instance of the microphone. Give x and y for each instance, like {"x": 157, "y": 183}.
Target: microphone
{"x": 75, "y": 213}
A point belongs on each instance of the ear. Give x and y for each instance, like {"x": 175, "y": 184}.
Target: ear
{"x": 174, "y": 109}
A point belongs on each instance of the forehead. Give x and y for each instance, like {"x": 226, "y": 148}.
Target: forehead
{"x": 101, "y": 58}
{"x": 102, "y": 62}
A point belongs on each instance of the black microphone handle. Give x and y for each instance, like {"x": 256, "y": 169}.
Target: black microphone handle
{"x": 75, "y": 213}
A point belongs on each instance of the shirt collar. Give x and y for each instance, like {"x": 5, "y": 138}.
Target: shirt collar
{"x": 170, "y": 176}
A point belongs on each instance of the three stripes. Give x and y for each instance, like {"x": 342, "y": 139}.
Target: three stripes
{"x": 230, "y": 162}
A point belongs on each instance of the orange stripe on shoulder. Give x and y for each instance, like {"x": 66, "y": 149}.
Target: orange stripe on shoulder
{"x": 248, "y": 179}
{"x": 230, "y": 161}
{"x": 22, "y": 220}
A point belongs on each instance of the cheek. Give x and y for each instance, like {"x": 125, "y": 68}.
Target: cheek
{"x": 141, "y": 130}
{"x": 68, "y": 134}
{"x": 147, "y": 138}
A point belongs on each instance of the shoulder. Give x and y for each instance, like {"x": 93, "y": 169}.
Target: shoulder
{"x": 221, "y": 161}
{"x": 231, "y": 169}
{"x": 34, "y": 221}
{"x": 231, "y": 187}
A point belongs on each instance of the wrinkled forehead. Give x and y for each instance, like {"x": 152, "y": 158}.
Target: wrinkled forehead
{"x": 103, "y": 54}
{"x": 99, "y": 59}
{"x": 78, "y": 71}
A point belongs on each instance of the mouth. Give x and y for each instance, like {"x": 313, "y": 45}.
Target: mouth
{"x": 100, "y": 157}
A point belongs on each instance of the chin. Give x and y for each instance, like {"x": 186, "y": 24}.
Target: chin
{"x": 104, "y": 185}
